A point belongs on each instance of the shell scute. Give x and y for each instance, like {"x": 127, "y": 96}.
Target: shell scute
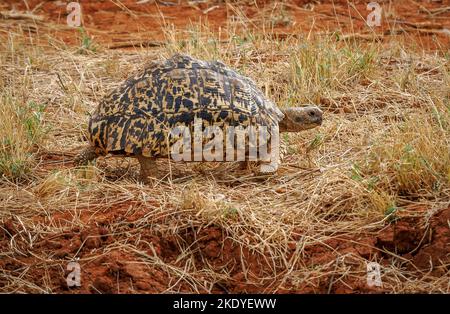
{"x": 136, "y": 117}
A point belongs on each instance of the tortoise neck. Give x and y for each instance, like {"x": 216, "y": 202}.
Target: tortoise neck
{"x": 283, "y": 125}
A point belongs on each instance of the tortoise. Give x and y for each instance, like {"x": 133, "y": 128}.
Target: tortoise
{"x": 135, "y": 119}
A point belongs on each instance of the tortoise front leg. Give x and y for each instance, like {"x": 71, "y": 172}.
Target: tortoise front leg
{"x": 269, "y": 167}
{"x": 148, "y": 168}
{"x": 276, "y": 157}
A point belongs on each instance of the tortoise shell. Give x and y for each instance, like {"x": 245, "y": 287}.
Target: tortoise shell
{"x": 136, "y": 117}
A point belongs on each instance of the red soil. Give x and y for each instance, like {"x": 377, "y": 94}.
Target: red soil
{"x": 107, "y": 268}
{"x": 113, "y": 23}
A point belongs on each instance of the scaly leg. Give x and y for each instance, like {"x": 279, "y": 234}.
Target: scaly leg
{"x": 269, "y": 167}
{"x": 276, "y": 156}
{"x": 88, "y": 154}
{"x": 148, "y": 169}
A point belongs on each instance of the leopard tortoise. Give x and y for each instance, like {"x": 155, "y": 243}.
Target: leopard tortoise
{"x": 135, "y": 119}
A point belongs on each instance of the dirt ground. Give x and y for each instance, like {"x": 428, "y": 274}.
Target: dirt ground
{"x": 412, "y": 243}
{"x": 116, "y": 271}
{"x": 123, "y": 23}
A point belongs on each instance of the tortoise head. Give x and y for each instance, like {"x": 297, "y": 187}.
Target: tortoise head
{"x": 297, "y": 119}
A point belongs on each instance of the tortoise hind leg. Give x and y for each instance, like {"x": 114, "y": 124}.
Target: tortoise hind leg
{"x": 148, "y": 169}
{"x": 88, "y": 154}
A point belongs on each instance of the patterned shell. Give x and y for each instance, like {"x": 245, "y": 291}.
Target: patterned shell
{"x": 136, "y": 117}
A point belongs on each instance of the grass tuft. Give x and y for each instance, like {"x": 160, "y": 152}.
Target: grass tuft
{"x": 21, "y": 133}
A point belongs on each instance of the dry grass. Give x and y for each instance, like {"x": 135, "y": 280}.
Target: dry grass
{"x": 384, "y": 144}
{"x": 21, "y": 134}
